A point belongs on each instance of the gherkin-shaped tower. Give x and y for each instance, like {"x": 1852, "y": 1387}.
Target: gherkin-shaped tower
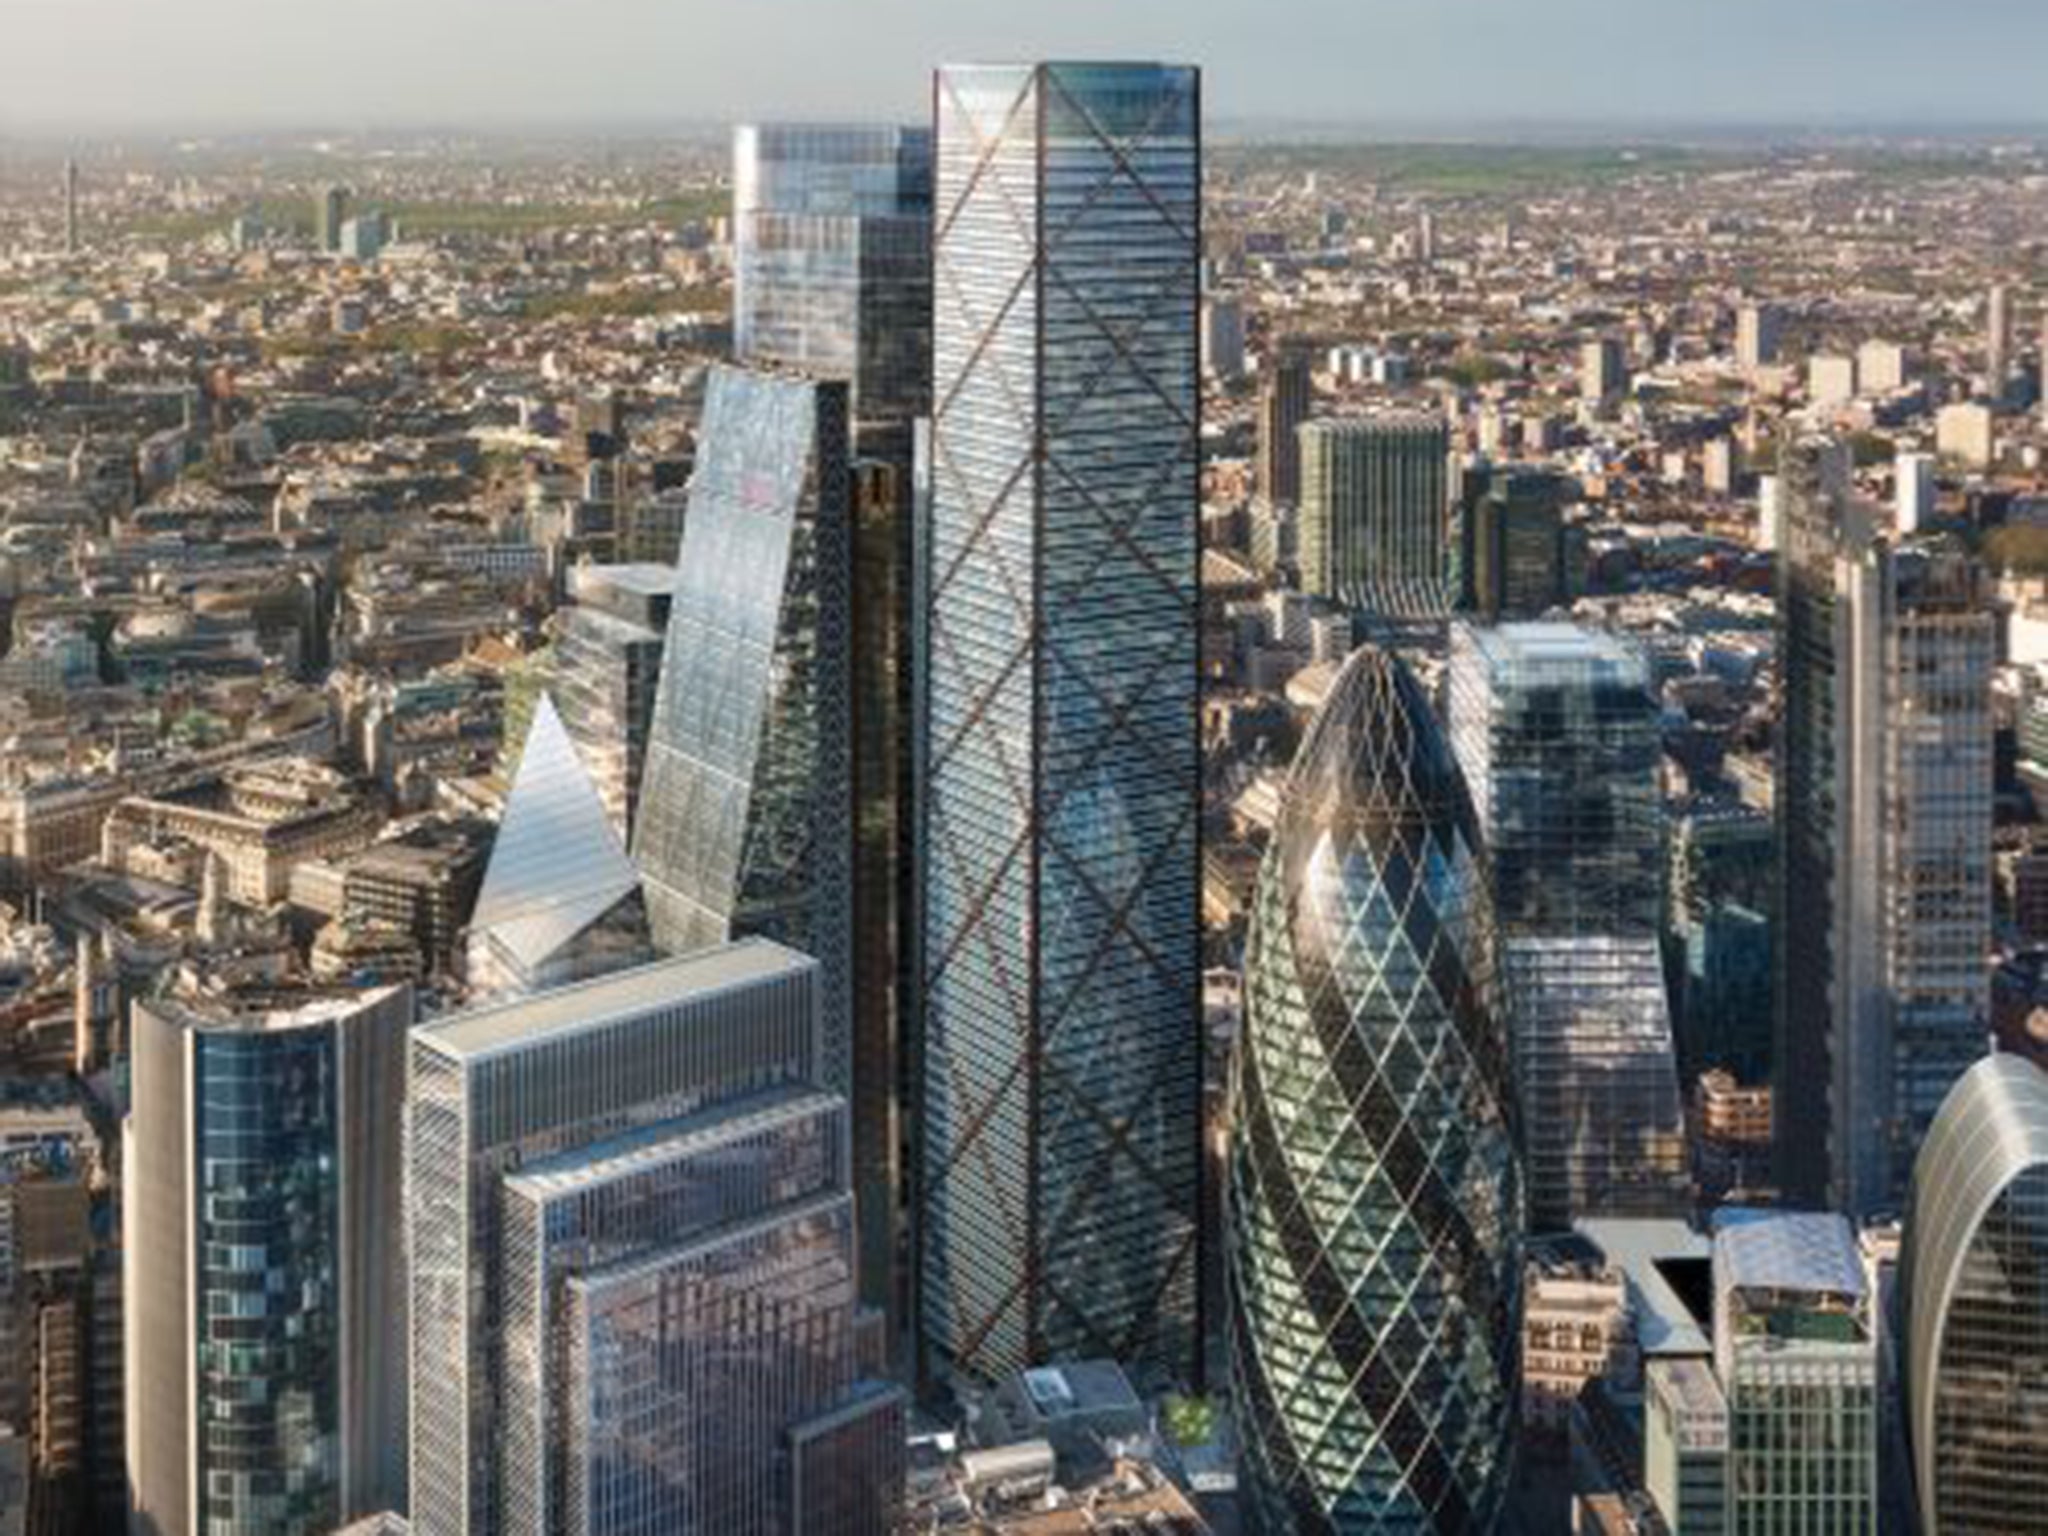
{"x": 1374, "y": 1253}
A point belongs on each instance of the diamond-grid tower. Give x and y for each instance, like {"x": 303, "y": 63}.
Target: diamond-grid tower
{"x": 1060, "y": 747}
{"x": 1375, "y": 1189}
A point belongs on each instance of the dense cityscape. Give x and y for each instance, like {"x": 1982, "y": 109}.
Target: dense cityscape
{"x": 1053, "y": 820}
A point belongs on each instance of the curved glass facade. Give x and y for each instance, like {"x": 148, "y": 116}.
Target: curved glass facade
{"x": 1976, "y": 1295}
{"x": 268, "y": 1267}
{"x": 1374, "y": 1259}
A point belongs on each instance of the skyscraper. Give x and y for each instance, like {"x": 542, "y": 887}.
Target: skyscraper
{"x": 1975, "y": 1287}
{"x": 1511, "y": 541}
{"x": 833, "y": 275}
{"x": 832, "y": 258}
{"x": 1286, "y": 396}
{"x": 1602, "y": 370}
{"x": 1375, "y": 1234}
{"x": 1757, "y": 328}
{"x": 604, "y": 670}
{"x": 1375, "y": 513}
{"x": 1557, "y": 733}
{"x": 330, "y": 212}
{"x": 1884, "y": 799}
{"x": 1998, "y": 339}
{"x": 631, "y": 1238}
{"x": 1059, "y": 758}
{"x": 745, "y": 811}
{"x": 71, "y": 207}
{"x": 264, "y": 1284}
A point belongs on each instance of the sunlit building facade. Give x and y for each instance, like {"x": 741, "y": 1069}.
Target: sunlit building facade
{"x": 1375, "y": 513}
{"x": 631, "y": 1234}
{"x": 1375, "y": 1253}
{"x": 832, "y": 258}
{"x": 745, "y": 813}
{"x": 1975, "y": 1283}
{"x": 1059, "y": 746}
{"x": 263, "y": 1283}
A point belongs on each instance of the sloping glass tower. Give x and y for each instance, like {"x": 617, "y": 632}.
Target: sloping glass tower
{"x": 1059, "y": 748}
{"x": 745, "y": 810}
{"x": 1375, "y": 1233}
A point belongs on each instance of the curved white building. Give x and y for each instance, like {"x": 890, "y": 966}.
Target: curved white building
{"x": 1975, "y": 1283}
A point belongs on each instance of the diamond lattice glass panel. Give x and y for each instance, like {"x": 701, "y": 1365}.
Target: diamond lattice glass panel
{"x": 1374, "y": 1242}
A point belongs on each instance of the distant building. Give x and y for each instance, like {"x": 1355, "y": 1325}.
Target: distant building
{"x": 1511, "y": 542}
{"x": 1758, "y": 328}
{"x": 1603, "y": 371}
{"x": 1965, "y": 433}
{"x": 266, "y": 1379}
{"x": 1997, "y": 340}
{"x": 364, "y": 237}
{"x": 1223, "y": 338}
{"x": 330, "y": 212}
{"x": 1916, "y": 491}
{"x": 1375, "y": 512}
{"x": 1830, "y": 379}
{"x": 1286, "y": 397}
{"x": 1881, "y": 367}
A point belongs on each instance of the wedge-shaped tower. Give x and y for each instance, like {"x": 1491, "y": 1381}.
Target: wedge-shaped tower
{"x": 560, "y": 899}
{"x": 745, "y": 821}
{"x": 1376, "y": 1210}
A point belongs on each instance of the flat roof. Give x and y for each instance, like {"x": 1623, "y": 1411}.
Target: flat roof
{"x": 652, "y": 1146}
{"x": 483, "y": 1032}
{"x": 1554, "y": 643}
{"x": 1809, "y": 1251}
{"x": 1665, "y": 1324}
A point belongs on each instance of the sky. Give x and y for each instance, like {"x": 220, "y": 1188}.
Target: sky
{"x": 205, "y": 65}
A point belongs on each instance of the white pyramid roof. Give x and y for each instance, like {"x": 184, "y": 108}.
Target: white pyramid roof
{"x": 557, "y": 866}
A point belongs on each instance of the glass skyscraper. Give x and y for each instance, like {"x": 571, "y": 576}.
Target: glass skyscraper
{"x": 1375, "y": 513}
{"x": 1059, "y": 751}
{"x": 631, "y": 1232}
{"x": 1884, "y": 800}
{"x": 1975, "y": 1281}
{"x": 833, "y": 272}
{"x": 832, "y": 258}
{"x": 746, "y": 805}
{"x": 265, "y": 1372}
{"x": 1375, "y": 1234}
{"x": 1557, "y": 732}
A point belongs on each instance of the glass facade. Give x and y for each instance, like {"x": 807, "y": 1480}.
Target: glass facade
{"x": 1603, "y": 1126}
{"x": 1375, "y": 514}
{"x": 560, "y": 900}
{"x": 270, "y": 1367}
{"x": 745, "y": 819}
{"x": 832, "y": 258}
{"x": 1511, "y": 543}
{"x": 1884, "y": 800}
{"x": 602, "y": 1179}
{"x": 1376, "y": 1208}
{"x": 1796, "y": 1353}
{"x": 614, "y": 1203}
{"x": 1557, "y": 732}
{"x": 1975, "y": 1281}
{"x": 603, "y": 672}
{"x": 1060, "y": 788}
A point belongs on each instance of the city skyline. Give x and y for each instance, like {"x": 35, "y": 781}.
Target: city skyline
{"x": 1395, "y": 65}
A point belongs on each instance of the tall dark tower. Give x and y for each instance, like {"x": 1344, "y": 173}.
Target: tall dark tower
{"x": 71, "y": 207}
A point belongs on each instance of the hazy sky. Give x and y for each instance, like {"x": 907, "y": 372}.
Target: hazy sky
{"x": 358, "y": 63}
